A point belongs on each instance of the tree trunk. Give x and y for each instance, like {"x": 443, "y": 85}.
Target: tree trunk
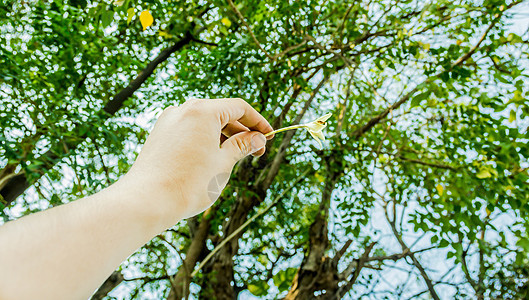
{"x": 114, "y": 280}
{"x": 317, "y": 271}
{"x": 181, "y": 279}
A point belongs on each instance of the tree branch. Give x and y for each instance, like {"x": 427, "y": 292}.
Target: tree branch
{"x": 16, "y": 184}
{"x": 250, "y": 220}
{"x": 116, "y": 103}
{"x": 375, "y": 120}
{"x": 415, "y": 261}
{"x": 357, "y": 265}
{"x": 241, "y": 17}
{"x": 112, "y": 281}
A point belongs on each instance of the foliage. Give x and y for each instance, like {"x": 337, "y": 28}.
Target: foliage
{"x": 420, "y": 189}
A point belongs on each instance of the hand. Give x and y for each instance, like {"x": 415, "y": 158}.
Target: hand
{"x": 69, "y": 250}
{"x": 188, "y": 157}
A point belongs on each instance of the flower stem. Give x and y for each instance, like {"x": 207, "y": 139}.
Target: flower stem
{"x": 285, "y": 129}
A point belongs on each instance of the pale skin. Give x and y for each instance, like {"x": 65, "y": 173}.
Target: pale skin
{"x": 67, "y": 252}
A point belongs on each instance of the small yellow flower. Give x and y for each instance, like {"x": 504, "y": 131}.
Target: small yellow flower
{"x": 314, "y": 128}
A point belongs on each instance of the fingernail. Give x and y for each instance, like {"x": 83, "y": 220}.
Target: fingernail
{"x": 258, "y": 142}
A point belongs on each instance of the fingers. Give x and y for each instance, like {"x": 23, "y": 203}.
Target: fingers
{"x": 230, "y": 110}
{"x": 244, "y": 143}
{"x": 233, "y": 128}
{"x": 223, "y": 138}
{"x": 238, "y": 121}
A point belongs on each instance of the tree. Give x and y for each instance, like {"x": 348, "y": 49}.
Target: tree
{"x": 420, "y": 191}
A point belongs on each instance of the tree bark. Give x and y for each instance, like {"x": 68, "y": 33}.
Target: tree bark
{"x": 218, "y": 284}
{"x": 181, "y": 279}
{"x": 318, "y": 271}
{"x": 114, "y": 280}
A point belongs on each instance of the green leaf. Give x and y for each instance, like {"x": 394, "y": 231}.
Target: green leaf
{"x": 130, "y": 15}
{"x": 107, "y": 17}
{"x": 283, "y": 278}
{"x": 417, "y": 99}
{"x": 523, "y": 243}
{"x": 512, "y": 116}
{"x": 259, "y": 288}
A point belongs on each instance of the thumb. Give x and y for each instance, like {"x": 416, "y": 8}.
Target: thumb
{"x": 243, "y": 143}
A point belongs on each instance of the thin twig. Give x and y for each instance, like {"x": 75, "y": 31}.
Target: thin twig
{"x": 171, "y": 278}
{"x": 238, "y": 230}
{"x": 416, "y": 263}
{"x": 241, "y": 17}
{"x": 288, "y": 49}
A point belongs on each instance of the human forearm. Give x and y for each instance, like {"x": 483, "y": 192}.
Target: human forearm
{"x": 69, "y": 250}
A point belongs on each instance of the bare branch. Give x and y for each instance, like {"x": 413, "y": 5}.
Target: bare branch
{"x": 415, "y": 261}
{"x": 357, "y": 265}
{"x": 375, "y": 120}
{"x": 238, "y": 230}
{"x": 241, "y": 17}
{"x": 340, "y": 253}
{"x": 112, "y": 281}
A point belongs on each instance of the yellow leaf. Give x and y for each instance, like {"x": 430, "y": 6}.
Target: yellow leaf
{"x": 130, "y": 14}
{"x": 319, "y": 177}
{"x": 226, "y": 22}
{"x": 118, "y": 2}
{"x": 146, "y": 19}
{"x": 483, "y": 174}
{"x": 165, "y": 34}
{"x": 488, "y": 211}
{"x": 440, "y": 189}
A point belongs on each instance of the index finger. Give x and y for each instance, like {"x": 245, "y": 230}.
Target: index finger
{"x": 230, "y": 110}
